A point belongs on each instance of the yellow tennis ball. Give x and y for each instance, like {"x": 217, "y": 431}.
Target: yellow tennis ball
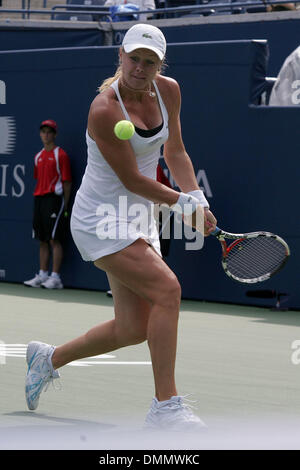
{"x": 124, "y": 130}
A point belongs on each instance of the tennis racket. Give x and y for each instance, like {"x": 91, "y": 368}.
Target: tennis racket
{"x": 252, "y": 257}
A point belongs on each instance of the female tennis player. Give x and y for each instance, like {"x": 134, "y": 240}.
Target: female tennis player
{"x": 120, "y": 177}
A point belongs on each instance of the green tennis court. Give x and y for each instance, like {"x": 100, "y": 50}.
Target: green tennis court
{"x": 235, "y": 360}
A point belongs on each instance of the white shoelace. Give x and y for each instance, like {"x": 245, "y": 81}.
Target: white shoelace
{"x": 54, "y": 385}
{"x": 52, "y": 379}
{"x": 184, "y": 397}
{"x": 179, "y": 403}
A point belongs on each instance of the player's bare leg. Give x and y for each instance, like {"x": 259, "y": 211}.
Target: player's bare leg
{"x": 143, "y": 273}
{"x": 146, "y": 298}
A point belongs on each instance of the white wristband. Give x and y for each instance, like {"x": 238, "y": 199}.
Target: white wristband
{"x": 198, "y": 194}
{"x": 186, "y": 204}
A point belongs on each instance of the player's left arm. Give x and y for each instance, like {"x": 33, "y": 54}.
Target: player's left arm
{"x": 176, "y": 156}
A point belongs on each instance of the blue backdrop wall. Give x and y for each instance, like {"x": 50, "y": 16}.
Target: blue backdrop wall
{"x": 246, "y": 157}
{"x": 18, "y": 38}
{"x": 282, "y": 35}
{"x": 272, "y": 31}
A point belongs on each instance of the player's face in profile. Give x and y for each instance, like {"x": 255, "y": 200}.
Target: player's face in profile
{"x": 47, "y": 135}
{"x": 139, "y": 67}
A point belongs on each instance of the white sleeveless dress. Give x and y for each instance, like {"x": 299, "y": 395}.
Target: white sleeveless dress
{"x": 106, "y": 217}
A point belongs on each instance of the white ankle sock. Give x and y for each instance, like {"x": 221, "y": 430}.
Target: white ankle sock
{"x": 55, "y": 275}
{"x": 43, "y": 274}
{"x": 50, "y": 360}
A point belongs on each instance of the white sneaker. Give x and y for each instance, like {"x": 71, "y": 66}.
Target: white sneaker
{"x": 36, "y": 281}
{"x": 40, "y": 371}
{"x": 52, "y": 283}
{"x": 173, "y": 415}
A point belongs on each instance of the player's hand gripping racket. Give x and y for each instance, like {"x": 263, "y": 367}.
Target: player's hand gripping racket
{"x": 252, "y": 257}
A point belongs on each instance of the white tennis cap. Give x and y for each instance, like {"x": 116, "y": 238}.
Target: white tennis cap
{"x": 145, "y": 36}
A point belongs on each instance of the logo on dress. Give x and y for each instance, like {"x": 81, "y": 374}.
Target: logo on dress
{"x": 154, "y": 141}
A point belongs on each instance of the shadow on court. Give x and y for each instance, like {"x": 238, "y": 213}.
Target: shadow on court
{"x": 257, "y": 314}
{"x": 85, "y": 435}
{"x": 59, "y": 420}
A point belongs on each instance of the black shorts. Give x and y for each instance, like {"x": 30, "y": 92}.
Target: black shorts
{"x": 49, "y": 222}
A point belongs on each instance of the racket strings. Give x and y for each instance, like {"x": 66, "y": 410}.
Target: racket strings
{"x": 255, "y": 257}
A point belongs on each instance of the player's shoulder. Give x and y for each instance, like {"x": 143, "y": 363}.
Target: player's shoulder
{"x": 168, "y": 84}
{"x": 170, "y": 93}
{"x": 104, "y": 112}
{"x": 104, "y": 104}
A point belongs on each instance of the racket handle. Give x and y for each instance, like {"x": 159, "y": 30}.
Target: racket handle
{"x": 216, "y": 232}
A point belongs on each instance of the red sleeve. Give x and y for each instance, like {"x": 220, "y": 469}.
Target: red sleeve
{"x": 161, "y": 177}
{"x": 64, "y": 165}
{"x": 35, "y": 173}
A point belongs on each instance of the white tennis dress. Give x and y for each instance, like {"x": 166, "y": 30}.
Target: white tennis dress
{"x": 106, "y": 217}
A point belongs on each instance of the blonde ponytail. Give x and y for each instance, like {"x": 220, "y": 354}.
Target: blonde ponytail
{"x": 108, "y": 81}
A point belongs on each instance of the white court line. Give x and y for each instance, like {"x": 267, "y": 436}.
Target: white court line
{"x": 2, "y": 356}
{"x": 19, "y": 350}
{"x": 91, "y": 363}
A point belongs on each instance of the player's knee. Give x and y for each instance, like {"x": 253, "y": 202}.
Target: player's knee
{"x": 137, "y": 335}
{"x": 170, "y": 295}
